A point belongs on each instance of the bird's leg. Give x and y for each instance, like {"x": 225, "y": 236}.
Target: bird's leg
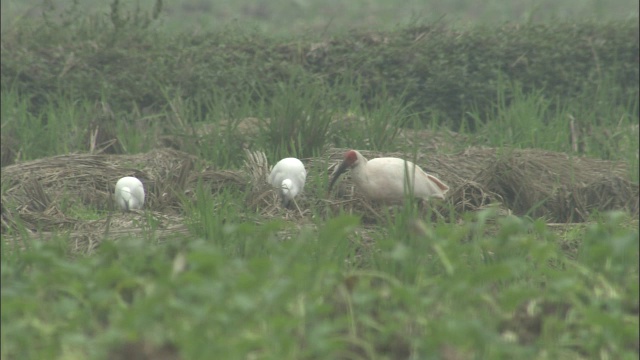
{"x": 425, "y": 207}
{"x": 297, "y": 207}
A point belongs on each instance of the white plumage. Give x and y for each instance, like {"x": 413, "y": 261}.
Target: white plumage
{"x": 384, "y": 179}
{"x": 129, "y": 193}
{"x": 288, "y": 176}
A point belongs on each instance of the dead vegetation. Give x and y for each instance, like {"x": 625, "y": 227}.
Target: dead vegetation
{"x": 559, "y": 187}
{"x": 48, "y": 196}
{"x": 551, "y": 185}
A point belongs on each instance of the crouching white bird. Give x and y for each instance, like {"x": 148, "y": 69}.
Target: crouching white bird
{"x": 288, "y": 176}
{"x": 385, "y": 179}
{"x": 129, "y": 193}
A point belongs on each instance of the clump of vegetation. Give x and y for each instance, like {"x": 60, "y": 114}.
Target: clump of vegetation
{"x": 481, "y": 289}
{"x": 440, "y": 72}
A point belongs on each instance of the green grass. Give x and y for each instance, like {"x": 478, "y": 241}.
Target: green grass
{"x": 239, "y": 286}
{"x": 239, "y": 290}
{"x": 532, "y": 120}
{"x": 286, "y": 17}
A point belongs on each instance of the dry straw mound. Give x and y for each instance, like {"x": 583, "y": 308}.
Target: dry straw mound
{"x": 41, "y": 193}
{"x": 558, "y": 187}
{"x": 84, "y": 236}
{"x": 555, "y": 186}
{"x": 89, "y": 180}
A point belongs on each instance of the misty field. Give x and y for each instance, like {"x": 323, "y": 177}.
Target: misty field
{"x": 527, "y": 110}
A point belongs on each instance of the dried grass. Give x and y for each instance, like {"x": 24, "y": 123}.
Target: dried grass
{"x": 216, "y": 180}
{"x": 85, "y": 236}
{"x": 40, "y": 196}
{"x": 531, "y": 182}
{"x": 89, "y": 180}
{"x": 101, "y": 134}
{"x": 40, "y": 193}
{"x": 558, "y": 187}
{"x": 261, "y": 196}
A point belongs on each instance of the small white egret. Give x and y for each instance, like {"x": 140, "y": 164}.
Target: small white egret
{"x": 384, "y": 179}
{"x": 129, "y": 193}
{"x": 288, "y": 176}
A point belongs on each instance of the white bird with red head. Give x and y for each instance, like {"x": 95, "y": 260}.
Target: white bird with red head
{"x": 129, "y": 193}
{"x": 385, "y": 179}
{"x": 288, "y": 176}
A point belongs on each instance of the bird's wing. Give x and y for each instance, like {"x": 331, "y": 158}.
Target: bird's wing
{"x": 434, "y": 186}
{"x": 438, "y": 183}
{"x": 125, "y": 193}
{"x": 138, "y": 194}
{"x": 276, "y": 176}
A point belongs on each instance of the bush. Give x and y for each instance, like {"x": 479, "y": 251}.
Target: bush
{"x": 442, "y": 73}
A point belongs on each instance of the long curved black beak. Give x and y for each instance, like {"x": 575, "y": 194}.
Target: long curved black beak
{"x": 341, "y": 169}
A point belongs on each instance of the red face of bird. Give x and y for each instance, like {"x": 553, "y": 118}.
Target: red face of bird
{"x": 350, "y": 160}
